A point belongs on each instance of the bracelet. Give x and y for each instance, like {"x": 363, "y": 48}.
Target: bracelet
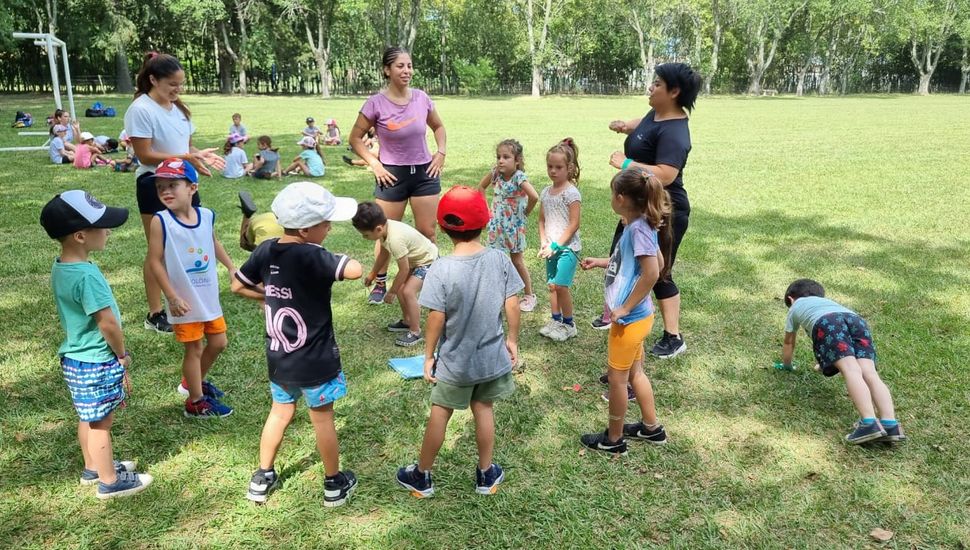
{"x": 440, "y": 152}
{"x": 123, "y": 355}
{"x": 626, "y": 164}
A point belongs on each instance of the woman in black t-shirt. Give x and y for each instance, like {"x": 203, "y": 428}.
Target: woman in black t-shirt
{"x": 659, "y": 144}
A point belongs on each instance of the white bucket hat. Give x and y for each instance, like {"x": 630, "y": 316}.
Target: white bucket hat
{"x": 304, "y": 204}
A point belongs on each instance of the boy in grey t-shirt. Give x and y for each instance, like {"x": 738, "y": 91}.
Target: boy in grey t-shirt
{"x": 466, "y": 293}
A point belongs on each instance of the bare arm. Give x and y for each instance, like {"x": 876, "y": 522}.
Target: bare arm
{"x": 156, "y": 261}
{"x": 223, "y": 256}
{"x": 382, "y": 256}
{"x": 486, "y": 180}
{"x": 433, "y": 327}
{"x": 441, "y": 140}
{"x": 353, "y": 270}
{"x": 111, "y": 330}
{"x": 512, "y": 316}
{"x": 533, "y": 197}
{"x": 788, "y": 349}
{"x": 242, "y": 289}
{"x": 543, "y": 243}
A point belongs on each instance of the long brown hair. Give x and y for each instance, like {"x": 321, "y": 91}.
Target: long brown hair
{"x": 652, "y": 201}
{"x": 159, "y": 65}
{"x": 568, "y": 148}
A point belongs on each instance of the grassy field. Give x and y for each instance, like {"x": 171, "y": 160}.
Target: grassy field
{"x": 866, "y": 194}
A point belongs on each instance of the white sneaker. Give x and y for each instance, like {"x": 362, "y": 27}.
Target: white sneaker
{"x": 570, "y": 331}
{"x": 563, "y": 332}
{"x": 528, "y": 303}
{"x": 550, "y": 327}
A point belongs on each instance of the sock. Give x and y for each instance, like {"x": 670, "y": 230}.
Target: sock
{"x": 557, "y": 317}
{"x": 868, "y": 420}
{"x": 568, "y": 320}
{"x": 333, "y": 477}
{"x": 270, "y": 472}
{"x": 886, "y": 423}
{"x": 381, "y": 279}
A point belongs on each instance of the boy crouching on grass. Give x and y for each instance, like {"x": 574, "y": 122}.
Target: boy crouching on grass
{"x": 842, "y": 344}
{"x": 294, "y": 274}
{"x": 466, "y": 293}
{"x": 413, "y": 253}
{"x": 93, "y": 355}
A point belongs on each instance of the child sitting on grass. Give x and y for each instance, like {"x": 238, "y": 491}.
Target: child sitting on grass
{"x": 466, "y": 293}
{"x": 842, "y": 344}
{"x": 88, "y": 154}
{"x": 294, "y": 275}
{"x": 93, "y": 354}
{"x": 413, "y": 253}
{"x": 309, "y": 162}
{"x": 237, "y": 128}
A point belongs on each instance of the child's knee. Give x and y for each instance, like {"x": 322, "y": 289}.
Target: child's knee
{"x": 194, "y": 348}
{"x": 283, "y": 412}
{"x": 618, "y": 376}
{"x": 217, "y": 342}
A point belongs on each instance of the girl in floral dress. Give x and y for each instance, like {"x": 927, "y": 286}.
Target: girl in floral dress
{"x": 513, "y": 202}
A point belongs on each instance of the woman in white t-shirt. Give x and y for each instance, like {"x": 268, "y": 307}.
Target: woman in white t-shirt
{"x": 159, "y": 127}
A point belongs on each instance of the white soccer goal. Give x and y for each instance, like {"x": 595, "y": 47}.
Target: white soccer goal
{"x": 49, "y": 42}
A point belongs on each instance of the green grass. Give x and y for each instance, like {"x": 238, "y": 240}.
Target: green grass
{"x": 865, "y": 194}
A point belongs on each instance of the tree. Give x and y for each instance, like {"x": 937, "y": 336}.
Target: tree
{"x": 537, "y": 38}
{"x": 316, "y": 16}
{"x": 963, "y": 31}
{"x": 763, "y": 23}
{"x": 651, "y": 22}
{"x": 925, "y": 25}
{"x": 399, "y": 23}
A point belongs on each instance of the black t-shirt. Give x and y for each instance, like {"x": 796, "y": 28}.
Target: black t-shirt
{"x": 664, "y": 142}
{"x": 300, "y": 346}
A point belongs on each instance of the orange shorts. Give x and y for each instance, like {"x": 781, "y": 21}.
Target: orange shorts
{"x": 191, "y": 332}
{"x": 625, "y": 345}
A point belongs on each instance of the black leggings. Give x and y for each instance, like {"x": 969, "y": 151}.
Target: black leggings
{"x": 665, "y": 288}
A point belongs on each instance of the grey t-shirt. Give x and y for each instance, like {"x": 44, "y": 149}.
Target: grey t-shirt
{"x": 805, "y": 312}
{"x": 270, "y": 158}
{"x": 471, "y": 291}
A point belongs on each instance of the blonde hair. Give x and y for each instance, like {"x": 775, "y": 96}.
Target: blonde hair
{"x": 568, "y": 148}
{"x": 652, "y": 202}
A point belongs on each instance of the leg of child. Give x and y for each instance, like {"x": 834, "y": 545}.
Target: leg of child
{"x": 434, "y": 436}
{"x": 554, "y": 301}
{"x": 618, "y": 404}
{"x": 484, "y": 432}
{"x": 99, "y": 447}
{"x": 280, "y": 416}
{"x": 856, "y": 384}
{"x": 302, "y": 167}
{"x": 519, "y": 262}
{"x": 192, "y": 368}
{"x": 565, "y": 301}
{"x": 878, "y": 390}
{"x": 214, "y": 345}
{"x": 326, "y": 432}
{"x": 643, "y": 391}
{"x": 244, "y": 234}
{"x": 409, "y": 303}
{"x": 83, "y": 429}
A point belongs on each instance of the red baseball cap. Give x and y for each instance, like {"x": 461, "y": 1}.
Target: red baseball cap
{"x": 177, "y": 169}
{"x": 463, "y": 208}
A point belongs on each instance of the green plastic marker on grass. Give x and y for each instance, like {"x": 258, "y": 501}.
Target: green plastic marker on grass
{"x": 781, "y": 366}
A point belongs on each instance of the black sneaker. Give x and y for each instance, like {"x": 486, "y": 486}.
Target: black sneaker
{"x": 629, "y": 394}
{"x": 601, "y": 442}
{"x": 487, "y": 481}
{"x": 893, "y": 434}
{"x": 347, "y": 160}
{"x": 416, "y": 481}
{"x": 865, "y": 432}
{"x": 600, "y": 323}
{"x": 408, "y": 339}
{"x": 158, "y": 322}
{"x": 247, "y": 204}
{"x": 669, "y": 346}
{"x": 640, "y": 432}
{"x": 262, "y": 484}
{"x": 337, "y": 489}
{"x": 398, "y": 326}
{"x": 605, "y": 379}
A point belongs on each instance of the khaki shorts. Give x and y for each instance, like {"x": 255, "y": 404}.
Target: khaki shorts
{"x": 459, "y": 397}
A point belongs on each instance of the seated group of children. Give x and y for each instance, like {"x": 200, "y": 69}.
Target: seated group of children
{"x": 266, "y": 163}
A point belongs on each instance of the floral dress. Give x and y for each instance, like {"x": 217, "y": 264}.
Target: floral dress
{"x": 506, "y": 229}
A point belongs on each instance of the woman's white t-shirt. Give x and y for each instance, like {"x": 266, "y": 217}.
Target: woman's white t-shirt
{"x": 169, "y": 129}
{"x": 235, "y": 161}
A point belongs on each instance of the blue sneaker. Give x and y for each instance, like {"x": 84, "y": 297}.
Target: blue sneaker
{"x": 416, "y": 481}
{"x": 893, "y": 434}
{"x": 865, "y": 432}
{"x": 90, "y": 477}
{"x": 487, "y": 482}
{"x": 207, "y": 407}
{"x": 208, "y": 388}
{"x": 127, "y": 484}
{"x": 376, "y": 296}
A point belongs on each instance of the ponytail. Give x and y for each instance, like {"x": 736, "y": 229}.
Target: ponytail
{"x": 568, "y": 148}
{"x": 159, "y": 65}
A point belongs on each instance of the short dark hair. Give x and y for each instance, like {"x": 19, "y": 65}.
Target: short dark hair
{"x": 803, "y": 288}
{"x": 369, "y": 215}
{"x": 463, "y": 236}
{"x": 681, "y": 77}
{"x": 112, "y": 143}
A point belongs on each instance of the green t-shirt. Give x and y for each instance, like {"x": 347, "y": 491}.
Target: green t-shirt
{"x": 80, "y": 291}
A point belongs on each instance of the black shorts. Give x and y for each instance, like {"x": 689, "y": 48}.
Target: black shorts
{"x": 147, "y": 195}
{"x": 412, "y": 181}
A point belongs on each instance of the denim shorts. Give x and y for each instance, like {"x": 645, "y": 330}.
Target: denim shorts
{"x": 420, "y": 272}
{"x": 96, "y": 388}
{"x": 315, "y": 396}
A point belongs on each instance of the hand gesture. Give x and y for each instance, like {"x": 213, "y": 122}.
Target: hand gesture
{"x": 437, "y": 163}
{"x": 178, "y": 306}
{"x": 212, "y": 158}
{"x": 618, "y": 313}
{"x": 618, "y": 126}
{"x": 616, "y": 159}
{"x": 589, "y": 263}
{"x": 513, "y": 348}
{"x": 429, "y": 370}
{"x": 368, "y": 280}
{"x": 385, "y": 178}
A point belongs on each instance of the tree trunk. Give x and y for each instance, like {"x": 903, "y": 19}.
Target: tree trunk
{"x": 123, "y": 83}
{"x": 444, "y": 49}
{"x": 800, "y": 80}
{"x": 964, "y": 69}
{"x": 715, "y": 47}
{"x": 924, "y": 83}
{"x": 645, "y": 61}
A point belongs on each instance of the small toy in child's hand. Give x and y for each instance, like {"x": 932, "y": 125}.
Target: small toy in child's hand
{"x": 781, "y": 366}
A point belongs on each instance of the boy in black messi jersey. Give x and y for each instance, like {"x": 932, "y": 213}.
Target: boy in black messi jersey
{"x": 294, "y": 275}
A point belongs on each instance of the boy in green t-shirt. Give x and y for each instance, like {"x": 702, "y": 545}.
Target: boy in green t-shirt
{"x": 93, "y": 355}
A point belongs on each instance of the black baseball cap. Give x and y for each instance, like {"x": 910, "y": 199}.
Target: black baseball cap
{"x": 75, "y": 210}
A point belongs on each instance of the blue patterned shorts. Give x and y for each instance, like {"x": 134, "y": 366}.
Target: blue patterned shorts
{"x": 839, "y": 335}
{"x": 96, "y": 388}
{"x": 315, "y": 396}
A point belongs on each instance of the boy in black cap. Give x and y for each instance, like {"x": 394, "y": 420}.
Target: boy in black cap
{"x": 93, "y": 354}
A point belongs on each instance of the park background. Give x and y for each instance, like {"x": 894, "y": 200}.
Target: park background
{"x": 865, "y": 192}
